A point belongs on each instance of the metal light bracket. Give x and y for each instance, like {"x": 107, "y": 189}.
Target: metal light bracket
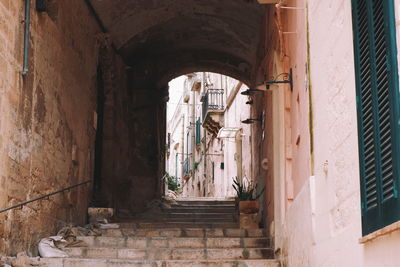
{"x": 289, "y": 80}
{"x": 251, "y": 91}
{"x": 253, "y": 120}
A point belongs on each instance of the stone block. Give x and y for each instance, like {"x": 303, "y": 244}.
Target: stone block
{"x": 89, "y": 240}
{"x": 147, "y": 233}
{"x": 75, "y": 252}
{"x": 156, "y": 242}
{"x": 123, "y": 263}
{"x": 258, "y": 263}
{"x": 228, "y": 254}
{"x": 128, "y": 231}
{"x": 188, "y": 254}
{"x": 186, "y": 243}
{"x": 256, "y": 232}
{"x": 102, "y": 253}
{"x": 248, "y": 221}
{"x": 132, "y": 242}
{"x": 235, "y": 232}
{"x": 194, "y": 232}
{"x": 223, "y": 242}
{"x": 85, "y": 262}
{"x": 259, "y": 253}
{"x": 171, "y": 233}
{"x": 133, "y": 254}
{"x": 110, "y": 241}
{"x": 214, "y": 232}
{"x": 159, "y": 254}
{"x": 256, "y": 242}
{"x": 51, "y": 262}
{"x": 112, "y": 232}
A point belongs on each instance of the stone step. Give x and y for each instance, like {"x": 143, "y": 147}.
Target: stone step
{"x": 185, "y": 232}
{"x": 207, "y": 202}
{"x": 204, "y": 206}
{"x": 73, "y": 262}
{"x": 171, "y": 224}
{"x": 199, "y": 215}
{"x": 188, "y": 219}
{"x": 175, "y": 242}
{"x": 171, "y": 254}
{"x": 188, "y": 209}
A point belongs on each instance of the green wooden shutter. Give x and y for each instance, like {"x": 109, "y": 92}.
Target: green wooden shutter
{"x": 198, "y": 132}
{"x": 378, "y": 111}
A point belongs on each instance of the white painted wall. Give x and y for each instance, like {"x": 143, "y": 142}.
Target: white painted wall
{"x": 201, "y": 183}
{"x": 322, "y": 226}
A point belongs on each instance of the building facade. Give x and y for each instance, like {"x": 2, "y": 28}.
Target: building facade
{"x": 331, "y": 139}
{"x": 323, "y": 110}
{"x": 207, "y": 144}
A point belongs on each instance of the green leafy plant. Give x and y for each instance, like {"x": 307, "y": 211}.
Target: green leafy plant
{"x": 195, "y": 165}
{"x": 247, "y": 190}
{"x": 172, "y": 182}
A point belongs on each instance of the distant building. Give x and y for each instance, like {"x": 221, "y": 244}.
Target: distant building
{"x": 207, "y": 144}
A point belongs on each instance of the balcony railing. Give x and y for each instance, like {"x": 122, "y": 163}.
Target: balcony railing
{"x": 213, "y": 101}
{"x": 186, "y": 166}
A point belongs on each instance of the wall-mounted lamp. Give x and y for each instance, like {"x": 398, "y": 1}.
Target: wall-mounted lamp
{"x": 288, "y": 80}
{"x": 251, "y": 91}
{"x": 250, "y": 120}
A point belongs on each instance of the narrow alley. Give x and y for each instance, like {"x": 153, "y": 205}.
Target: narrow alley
{"x": 199, "y": 133}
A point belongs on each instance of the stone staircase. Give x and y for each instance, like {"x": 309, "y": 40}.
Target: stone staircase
{"x": 190, "y": 233}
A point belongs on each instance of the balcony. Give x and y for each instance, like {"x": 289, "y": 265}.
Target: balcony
{"x": 213, "y": 110}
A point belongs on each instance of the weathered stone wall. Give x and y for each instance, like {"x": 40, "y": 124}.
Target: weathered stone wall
{"x": 47, "y": 119}
{"x": 134, "y": 141}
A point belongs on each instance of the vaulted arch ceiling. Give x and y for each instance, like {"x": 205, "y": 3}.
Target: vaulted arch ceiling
{"x": 176, "y": 36}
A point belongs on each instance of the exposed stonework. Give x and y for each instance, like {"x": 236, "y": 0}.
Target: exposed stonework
{"x": 46, "y": 117}
{"x": 48, "y": 123}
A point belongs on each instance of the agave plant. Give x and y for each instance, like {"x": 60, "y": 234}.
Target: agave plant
{"x": 246, "y": 191}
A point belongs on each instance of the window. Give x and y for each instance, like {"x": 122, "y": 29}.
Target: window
{"x": 188, "y": 145}
{"x": 198, "y": 132}
{"x": 377, "y": 88}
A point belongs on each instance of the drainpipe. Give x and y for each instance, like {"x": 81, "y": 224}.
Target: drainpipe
{"x": 204, "y": 132}
{"x": 239, "y": 155}
{"x": 25, "y": 68}
{"x": 183, "y": 148}
{"x": 193, "y": 130}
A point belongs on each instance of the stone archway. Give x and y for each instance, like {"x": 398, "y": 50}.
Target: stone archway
{"x": 159, "y": 40}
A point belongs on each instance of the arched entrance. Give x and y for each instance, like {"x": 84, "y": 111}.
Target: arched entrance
{"x": 157, "y": 41}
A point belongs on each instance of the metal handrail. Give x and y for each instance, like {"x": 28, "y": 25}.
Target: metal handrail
{"x": 44, "y": 197}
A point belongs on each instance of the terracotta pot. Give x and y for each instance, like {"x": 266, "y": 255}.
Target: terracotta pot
{"x": 249, "y": 207}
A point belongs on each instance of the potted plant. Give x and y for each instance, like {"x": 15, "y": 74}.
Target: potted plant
{"x": 247, "y": 195}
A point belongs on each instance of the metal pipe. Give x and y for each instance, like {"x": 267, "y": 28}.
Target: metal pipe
{"x": 183, "y": 147}
{"x": 25, "y": 68}
{"x": 43, "y": 197}
{"x": 193, "y": 131}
